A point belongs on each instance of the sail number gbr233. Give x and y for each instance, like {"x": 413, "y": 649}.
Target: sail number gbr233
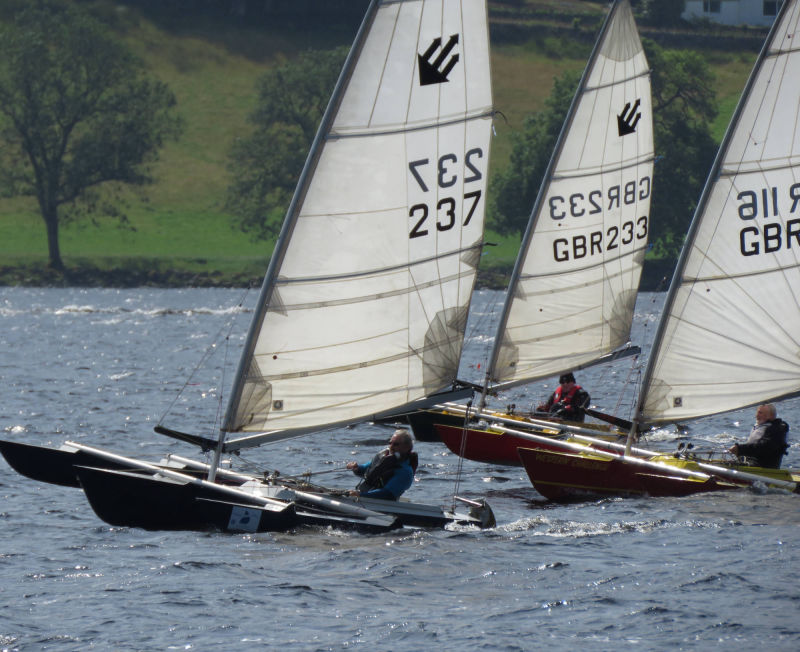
{"x": 444, "y": 173}
{"x": 579, "y": 204}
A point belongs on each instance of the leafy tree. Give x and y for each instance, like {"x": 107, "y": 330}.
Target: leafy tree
{"x": 77, "y": 114}
{"x": 662, "y": 13}
{"x": 684, "y": 105}
{"x": 265, "y": 167}
{"x": 514, "y": 190}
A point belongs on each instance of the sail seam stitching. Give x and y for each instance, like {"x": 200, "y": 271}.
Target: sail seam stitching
{"x": 333, "y": 135}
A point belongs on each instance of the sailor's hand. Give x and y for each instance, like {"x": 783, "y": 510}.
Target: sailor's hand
{"x": 734, "y": 449}
{"x": 351, "y": 465}
{"x": 353, "y": 493}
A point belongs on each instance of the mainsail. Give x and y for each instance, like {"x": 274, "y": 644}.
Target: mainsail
{"x": 574, "y": 286}
{"x": 364, "y": 305}
{"x": 729, "y": 335}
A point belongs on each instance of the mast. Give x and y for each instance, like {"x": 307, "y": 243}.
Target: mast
{"x": 286, "y": 230}
{"x": 364, "y": 304}
{"x": 537, "y": 207}
{"x": 293, "y": 211}
{"x": 702, "y": 206}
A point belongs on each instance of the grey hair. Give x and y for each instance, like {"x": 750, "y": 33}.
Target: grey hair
{"x": 405, "y": 436}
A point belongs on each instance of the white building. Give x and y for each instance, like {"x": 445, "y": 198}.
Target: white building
{"x": 733, "y": 12}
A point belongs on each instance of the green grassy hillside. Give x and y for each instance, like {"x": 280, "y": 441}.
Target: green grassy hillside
{"x": 181, "y": 223}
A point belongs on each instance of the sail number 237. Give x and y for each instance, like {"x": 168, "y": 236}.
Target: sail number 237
{"x": 445, "y": 174}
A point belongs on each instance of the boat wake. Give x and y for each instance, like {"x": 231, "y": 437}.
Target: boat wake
{"x": 543, "y": 526}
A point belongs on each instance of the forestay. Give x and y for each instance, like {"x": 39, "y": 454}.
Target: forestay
{"x": 730, "y": 333}
{"x": 364, "y": 306}
{"x": 573, "y": 290}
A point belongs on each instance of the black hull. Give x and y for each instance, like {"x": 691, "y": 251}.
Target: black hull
{"x": 54, "y": 465}
{"x": 131, "y": 499}
{"x": 125, "y": 492}
{"x": 126, "y": 499}
{"x": 50, "y": 465}
{"x": 423, "y": 423}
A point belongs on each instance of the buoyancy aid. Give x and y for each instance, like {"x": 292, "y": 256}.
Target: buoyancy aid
{"x": 380, "y": 469}
{"x": 566, "y": 399}
{"x": 383, "y": 467}
{"x": 766, "y": 445}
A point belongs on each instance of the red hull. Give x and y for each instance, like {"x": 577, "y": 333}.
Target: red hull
{"x": 565, "y": 476}
{"x": 494, "y": 447}
{"x": 483, "y": 446}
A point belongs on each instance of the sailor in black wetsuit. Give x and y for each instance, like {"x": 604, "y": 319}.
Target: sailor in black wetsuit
{"x": 766, "y": 444}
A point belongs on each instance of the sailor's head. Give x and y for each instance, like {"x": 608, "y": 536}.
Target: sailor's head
{"x": 766, "y": 412}
{"x": 401, "y": 441}
{"x": 568, "y": 377}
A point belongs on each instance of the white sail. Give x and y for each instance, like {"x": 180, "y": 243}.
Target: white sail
{"x": 574, "y": 287}
{"x": 730, "y": 333}
{"x": 365, "y": 303}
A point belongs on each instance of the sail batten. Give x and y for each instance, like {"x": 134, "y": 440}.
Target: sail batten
{"x": 767, "y": 272}
{"x": 758, "y": 167}
{"x": 566, "y": 174}
{"x": 617, "y": 82}
{"x": 372, "y": 272}
{"x": 729, "y": 336}
{"x": 408, "y": 128}
{"x": 364, "y": 307}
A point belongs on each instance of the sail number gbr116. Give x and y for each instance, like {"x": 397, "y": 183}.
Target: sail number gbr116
{"x": 758, "y": 205}
{"x": 445, "y": 173}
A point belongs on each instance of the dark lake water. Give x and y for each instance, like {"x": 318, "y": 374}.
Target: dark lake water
{"x": 102, "y": 367}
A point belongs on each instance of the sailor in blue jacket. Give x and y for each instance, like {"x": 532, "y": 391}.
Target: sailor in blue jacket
{"x": 390, "y": 472}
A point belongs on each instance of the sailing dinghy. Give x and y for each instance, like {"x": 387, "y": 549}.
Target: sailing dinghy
{"x": 572, "y": 293}
{"x": 363, "y": 306}
{"x": 729, "y": 334}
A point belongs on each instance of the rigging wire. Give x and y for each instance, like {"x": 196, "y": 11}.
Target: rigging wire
{"x": 218, "y": 418}
{"x": 633, "y": 375}
{"x": 207, "y": 354}
{"x": 647, "y": 342}
{"x": 484, "y": 323}
{"x": 460, "y": 466}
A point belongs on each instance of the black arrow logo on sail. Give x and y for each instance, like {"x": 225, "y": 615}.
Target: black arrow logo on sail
{"x": 432, "y": 72}
{"x": 628, "y": 119}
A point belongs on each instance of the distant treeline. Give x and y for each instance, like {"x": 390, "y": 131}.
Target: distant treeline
{"x": 314, "y": 13}
{"x": 512, "y": 21}
{"x": 733, "y": 40}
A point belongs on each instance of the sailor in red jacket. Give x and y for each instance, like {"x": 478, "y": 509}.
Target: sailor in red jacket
{"x": 568, "y": 401}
